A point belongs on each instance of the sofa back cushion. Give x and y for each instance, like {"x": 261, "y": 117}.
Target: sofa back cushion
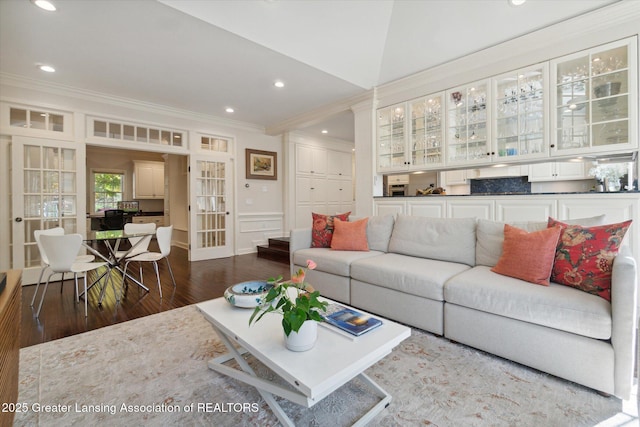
{"x": 444, "y": 239}
{"x": 491, "y": 236}
{"x": 379, "y": 230}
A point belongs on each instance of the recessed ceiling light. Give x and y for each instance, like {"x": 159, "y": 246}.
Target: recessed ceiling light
{"x": 45, "y": 4}
{"x": 516, "y": 2}
{"x": 229, "y": 110}
{"x": 324, "y": 131}
{"x": 278, "y": 83}
{"x": 47, "y": 68}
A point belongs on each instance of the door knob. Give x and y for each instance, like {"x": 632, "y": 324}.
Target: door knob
{"x": 18, "y": 219}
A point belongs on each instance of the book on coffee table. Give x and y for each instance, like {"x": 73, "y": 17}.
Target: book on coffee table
{"x": 350, "y": 320}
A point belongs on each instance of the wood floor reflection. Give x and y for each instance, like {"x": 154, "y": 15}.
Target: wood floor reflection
{"x": 196, "y": 281}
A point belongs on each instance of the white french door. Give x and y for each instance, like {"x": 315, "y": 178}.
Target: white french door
{"x": 210, "y": 207}
{"x": 47, "y": 191}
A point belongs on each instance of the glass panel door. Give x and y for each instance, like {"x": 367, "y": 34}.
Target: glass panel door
{"x": 595, "y": 99}
{"x": 427, "y": 132}
{"x": 467, "y": 134}
{"x": 45, "y": 195}
{"x": 211, "y": 223}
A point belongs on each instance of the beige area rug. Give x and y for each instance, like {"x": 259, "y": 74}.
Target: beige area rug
{"x": 153, "y": 371}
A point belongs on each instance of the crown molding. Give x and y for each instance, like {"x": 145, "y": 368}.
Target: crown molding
{"x": 319, "y": 114}
{"x": 92, "y": 96}
{"x": 607, "y": 24}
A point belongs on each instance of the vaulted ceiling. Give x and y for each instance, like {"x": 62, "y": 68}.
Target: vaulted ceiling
{"x": 204, "y": 56}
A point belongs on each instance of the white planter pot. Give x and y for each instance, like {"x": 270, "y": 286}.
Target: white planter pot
{"x": 304, "y": 339}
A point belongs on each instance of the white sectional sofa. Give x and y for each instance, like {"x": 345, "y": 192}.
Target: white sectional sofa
{"x": 435, "y": 274}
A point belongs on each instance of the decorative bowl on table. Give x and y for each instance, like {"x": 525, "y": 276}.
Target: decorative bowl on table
{"x": 247, "y": 294}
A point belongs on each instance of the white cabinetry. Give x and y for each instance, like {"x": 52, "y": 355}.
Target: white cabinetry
{"x": 595, "y": 99}
{"x": 323, "y": 183}
{"x": 558, "y": 171}
{"x": 311, "y": 160}
{"x": 411, "y": 135}
{"x": 157, "y": 220}
{"x": 455, "y": 177}
{"x": 148, "y": 180}
{"x": 520, "y": 127}
{"x": 468, "y": 130}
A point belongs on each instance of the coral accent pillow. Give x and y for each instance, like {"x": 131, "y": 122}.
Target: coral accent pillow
{"x": 584, "y": 256}
{"x": 322, "y": 229}
{"x": 528, "y": 256}
{"x": 350, "y": 236}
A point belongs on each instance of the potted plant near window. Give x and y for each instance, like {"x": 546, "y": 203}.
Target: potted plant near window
{"x": 299, "y": 306}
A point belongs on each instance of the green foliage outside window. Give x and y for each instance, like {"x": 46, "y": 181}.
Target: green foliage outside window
{"x": 108, "y": 189}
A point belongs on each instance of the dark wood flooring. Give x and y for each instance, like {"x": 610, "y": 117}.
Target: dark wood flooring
{"x": 196, "y": 281}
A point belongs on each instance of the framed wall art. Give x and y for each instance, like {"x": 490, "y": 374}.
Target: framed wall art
{"x": 261, "y": 164}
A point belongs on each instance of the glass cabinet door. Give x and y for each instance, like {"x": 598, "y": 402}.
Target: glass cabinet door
{"x": 595, "y": 95}
{"x": 520, "y": 114}
{"x": 467, "y": 131}
{"x": 392, "y": 138}
{"x": 426, "y": 144}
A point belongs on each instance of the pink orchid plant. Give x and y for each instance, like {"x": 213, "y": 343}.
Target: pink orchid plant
{"x": 295, "y": 307}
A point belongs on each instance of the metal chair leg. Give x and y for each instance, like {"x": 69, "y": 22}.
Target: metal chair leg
{"x": 43, "y": 294}
{"x": 171, "y": 272}
{"x": 155, "y": 266}
{"x": 38, "y": 285}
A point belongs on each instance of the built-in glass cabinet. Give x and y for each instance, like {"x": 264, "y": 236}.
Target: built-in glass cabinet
{"x": 467, "y": 124}
{"x": 427, "y": 132}
{"x": 595, "y": 99}
{"x": 579, "y": 104}
{"x": 520, "y": 111}
{"x": 392, "y": 143}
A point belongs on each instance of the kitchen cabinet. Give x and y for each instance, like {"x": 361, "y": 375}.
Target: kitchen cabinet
{"x": 494, "y": 172}
{"x": 147, "y": 219}
{"x": 558, "y": 171}
{"x": 520, "y": 127}
{"x": 427, "y": 133}
{"x": 594, "y": 97}
{"x": 148, "y": 180}
{"x": 392, "y": 139}
{"x": 468, "y": 131}
{"x": 455, "y": 177}
{"x": 398, "y": 179}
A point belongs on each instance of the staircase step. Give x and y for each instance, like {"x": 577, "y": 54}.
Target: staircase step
{"x": 274, "y": 254}
{"x": 279, "y": 242}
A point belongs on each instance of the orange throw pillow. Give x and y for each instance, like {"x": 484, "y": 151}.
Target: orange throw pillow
{"x": 528, "y": 256}
{"x": 350, "y": 236}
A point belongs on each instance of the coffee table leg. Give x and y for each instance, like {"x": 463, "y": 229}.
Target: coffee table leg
{"x": 381, "y": 393}
{"x": 250, "y": 377}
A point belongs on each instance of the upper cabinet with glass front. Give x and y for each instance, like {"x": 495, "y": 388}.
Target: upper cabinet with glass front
{"x": 427, "y": 132}
{"x": 468, "y": 133}
{"x": 392, "y": 138}
{"x": 520, "y": 125}
{"x": 594, "y": 94}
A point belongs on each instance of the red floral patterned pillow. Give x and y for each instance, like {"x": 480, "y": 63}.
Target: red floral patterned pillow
{"x": 322, "y": 230}
{"x": 584, "y": 256}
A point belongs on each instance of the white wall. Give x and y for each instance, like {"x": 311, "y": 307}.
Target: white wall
{"x": 15, "y": 91}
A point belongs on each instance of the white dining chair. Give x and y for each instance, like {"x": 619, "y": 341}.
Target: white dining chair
{"x": 44, "y": 261}
{"x": 139, "y": 244}
{"x": 61, "y": 251}
{"x": 163, "y": 235}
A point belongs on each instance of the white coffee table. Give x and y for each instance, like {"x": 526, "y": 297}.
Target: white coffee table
{"x": 335, "y": 360}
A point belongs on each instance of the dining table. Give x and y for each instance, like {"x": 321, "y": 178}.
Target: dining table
{"x": 114, "y": 257}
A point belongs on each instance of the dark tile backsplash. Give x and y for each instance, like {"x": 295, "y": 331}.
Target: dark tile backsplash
{"x": 518, "y": 184}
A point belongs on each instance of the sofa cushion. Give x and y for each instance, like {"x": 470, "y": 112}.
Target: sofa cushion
{"x": 349, "y": 236}
{"x": 555, "y": 306}
{"x": 528, "y": 256}
{"x": 330, "y": 261}
{"x": 490, "y": 235}
{"x": 322, "y": 229}
{"x": 584, "y": 256}
{"x": 443, "y": 239}
{"x": 379, "y": 230}
{"x": 415, "y": 276}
